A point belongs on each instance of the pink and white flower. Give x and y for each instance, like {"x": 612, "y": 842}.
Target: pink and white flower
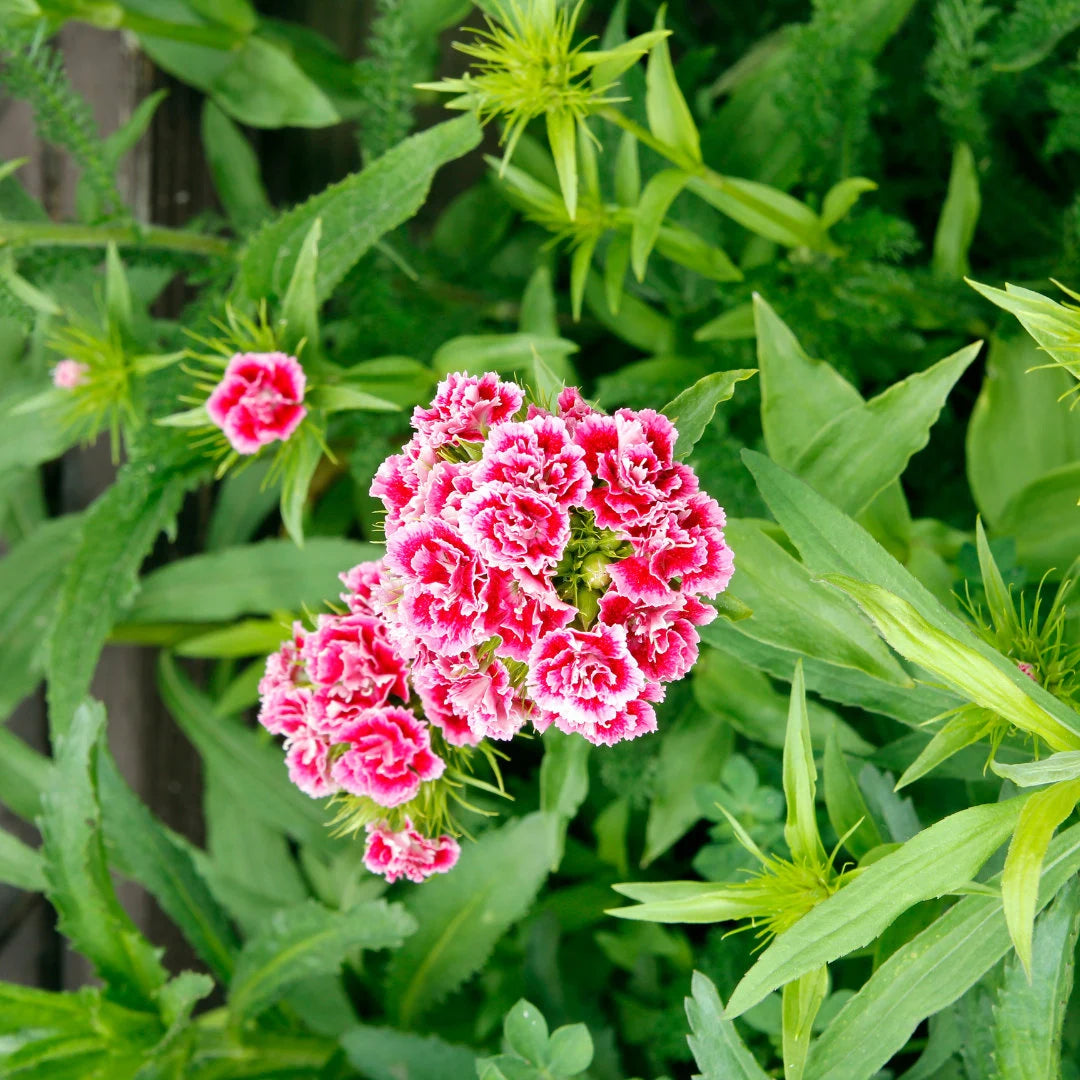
{"x": 465, "y": 407}
{"x": 259, "y": 400}
{"x": 69, "y": 373}
{"x": 387, "y": 756}
{"x": 514, "y": 528}
{"x": 361, "y": 585}
{"x": 350, "y": 657}
{"x": 536, "y": 454}
{"x": 406, "y": 853}
{"x": 307, "y": 759}
{"x": 584, "y": 676}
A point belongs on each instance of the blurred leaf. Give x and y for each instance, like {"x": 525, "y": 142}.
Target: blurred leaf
{"x": 234, "y": 168}
{"x": 1031, "y": 1005}
{"x": 571, "y": 1050}
{"x": 308, "y": 940}
{"x": 937, "y": 861}
{"x": 959, "y": 216}
{"x": 841, "y": 197}
{"x": 660, "y": 192}
{"x": 300, "y": 307}
{"x": 24, "y": 775}
{"x": 503, "y": 353}
{"x": 564, "y": 783}
{"x": 385, "y": 1054}
{"x": 20, "y": 865}
{"x": 462, "y": 915}
{"x": 251, "y": 579}
{"x": 670, "y": 119}
{"x": 1045, "y": 519}
{"x": 355, "y": 212}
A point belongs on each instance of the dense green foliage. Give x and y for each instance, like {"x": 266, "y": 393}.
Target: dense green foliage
{"x": 858, "y": 767}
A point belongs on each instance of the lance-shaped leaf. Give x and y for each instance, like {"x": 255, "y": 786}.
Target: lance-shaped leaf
{"x": 935, "y": 862}
{"x": 76, "y": 873}
{"x": 692, "y": 411}
{"x": 982, "y": 681}
{"x": 1031, "y": 1006}
{"x": 1042, "y": 814}
{"x": 927, "y": 975}
{"x": 308, "y": 940}
{"x": 385, "y": 1054}
{"x": 764, "y": 210}
{"x": 959, "y": 216}
{"x": 300, "y": 306}
{"x": 717, "y": 1048}
{"x": 20, "y": 865}
{"x": 841, "y": 197}
{"x": 1056, "y": 327}
{"x": 660, "y": 192}
{"x": 1045, "y": 519}
{"x": 562, "y": 136}
{"x": 864, "y": 449}
{"x": 1051, "y": 770}
{"x": 670, "y": 119}
{"x": 845, "y": 804}
{"x": 965, "y": 728}
{"x": 800, "y": 1002}
{"x": 800, "y": 779}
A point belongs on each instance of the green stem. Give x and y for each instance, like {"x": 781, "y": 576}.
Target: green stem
{"x": 52, "y": 234}
{"x": 212, "y": 37}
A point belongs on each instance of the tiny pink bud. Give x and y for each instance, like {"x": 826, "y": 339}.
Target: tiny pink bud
{"x": 68, "y": 374}
{"x": 1027, "y": 669}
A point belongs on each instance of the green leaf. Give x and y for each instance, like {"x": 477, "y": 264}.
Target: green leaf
{"x": 1045, "y": 520}
{"x": 1042, "y": 814}
{"x": 692, "y": 411}
{"x": 933, "y": 863}
{"x": 845, "y": 804}
{"x": 304, "y": 453}
{"x": 386, "y": 1054}
{"x": 117, "y": 293}
{"x": 800, "y": 779}
{"x": 253, "y": 770}
{"x": 300, "y": 306}
{"x": 20, "y": 865}
{"x": 1017, "y": 432}
{"x": 636, "y": 323}
{"x": 571, "y": 1050}
{"x": 343, "y": 398}
{"x": 580, "y": 265}
{"x": 496, "y": 352}
{"x": 462, "y": 915}
{"x": 927, "y": 975}
{"x": 30, "y": 580}
{"x": 24, "y": 775}
{"x": 118, "y": 532}
{"x": 77, "y": 877}
{"x": 688, "y": 249}
{"x": 989, "y": 683}
{"x": 692, "y": 751}
{"x": 962, "y": 730}
{"x": 802, "y": 999}
{"x": 1032, "y": 32}
{"x": 660, "y": 192}
{"x": 959, "y": 216}
{"x": 627, "y": 171}
{"x": 306, "y": 941}
{"x": 562, "y": 135}
{"x": 735, "y": 324}
{"x": 1031, "y": 1006}
{"x": 1052, "y": 770}
{"x": 764, "y": 210}
{"x": 564, "y": 783}
{"x": 144, "y": 850}
{"x": 670, "y": 119}
{"x": 526, "y": 1032}
{"x": 250, "y": 637}
{"x": 717, "y": 1048}
{"x": 841, "y": 197}
{"x": 251, "y": 579}
{"x": 865, "y": 448}
{"x": 355, "y": 212}
{"x": 234, "y": 168}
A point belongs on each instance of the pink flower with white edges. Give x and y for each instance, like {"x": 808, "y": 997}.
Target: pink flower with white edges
{"x": 443, "y": 586}
{"x": 513, "y": 527}
{"x": 433, "y": 689}
{"x": 286, "y": 710}
{"x": 361, "y": 584}
{"x": 536, "y": 454}
{"x": 465, "y": 406}
{"x": 406, "y": 853}
{"x": 482, "y": 693}
{"x": 584, "y": 676}
{"x": 69, "y": 373}
{"x": 662, "y": 638}
{"x": 307, "y": 759}
{"x": 283, "y": 667}
{"x": 573, "y": 408}
{"x": 636, "y": 718}
{"x": 523, "y": 610}
{"x": 630, "y": 454}
{"x": 396, "y": 484}
{"x": 350, "y": 657}
{"x": 386, "y": 757}
{"x": 449, "y": 485}
{"x": 258, "y": 400}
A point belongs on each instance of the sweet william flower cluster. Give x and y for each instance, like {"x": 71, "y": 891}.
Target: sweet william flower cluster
{"x": 544, "y": 566}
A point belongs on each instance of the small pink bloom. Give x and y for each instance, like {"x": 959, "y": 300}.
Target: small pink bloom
{"x": 361, "y": 583}
{"x": 442, "y": 586}
{"x": 351, "y": 658}
{"x": 387, "y": 756}
{"x": 661, "y": 637}
{"x": 465, "y": 406}
{"x": 69, "y": 373}
{"x": 573, "y": 408}
{"x": 482, "y": 693}
{"x": 635, "y": 719}
{"x": 536, "y": 454}
{"x": 407, "y": 854}
{"x": 584, "y": 676}
{"x": 433, "y": 689}
{"x": 283, "y": 666}
{"x": 258, "y": 400}
{"x": 449, "y": 484}
{"x": 1027, "y": 669}
{"x": 306, "y": 757}
{"x": 630, "y": 455}
{"x": 512, "y": 527}
{"x": 285, "y": 710}
{"x": 396, "y": 483}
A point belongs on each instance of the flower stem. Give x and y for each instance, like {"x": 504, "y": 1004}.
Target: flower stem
{"x": 54, "y": 234}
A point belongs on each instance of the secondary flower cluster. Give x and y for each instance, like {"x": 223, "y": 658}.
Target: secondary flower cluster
{"x": 339, "y": 694}
{"x": 544, "y": 566}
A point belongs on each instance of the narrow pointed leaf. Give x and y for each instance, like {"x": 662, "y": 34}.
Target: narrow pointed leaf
{"x": 800, "y": 1003}
{"x": 300, "y": 306}
{"x": 800, "y": 778}
{"x": 717, "y": 1048}
{"x": 562, "y": 135}
{"x": 959, "y": 216}
{"x": 1051, "y": 770}
{"x": 692, "y": 411}
{"x": 669, "y": 115}
{"x": 20, "y": 865}
{"x": 959, "y": 731}
{"x": 844, "y": 801}
{"x": 660, "y": 192}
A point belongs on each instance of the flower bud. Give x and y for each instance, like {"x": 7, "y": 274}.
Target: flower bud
{"x": 594, "y": 571}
